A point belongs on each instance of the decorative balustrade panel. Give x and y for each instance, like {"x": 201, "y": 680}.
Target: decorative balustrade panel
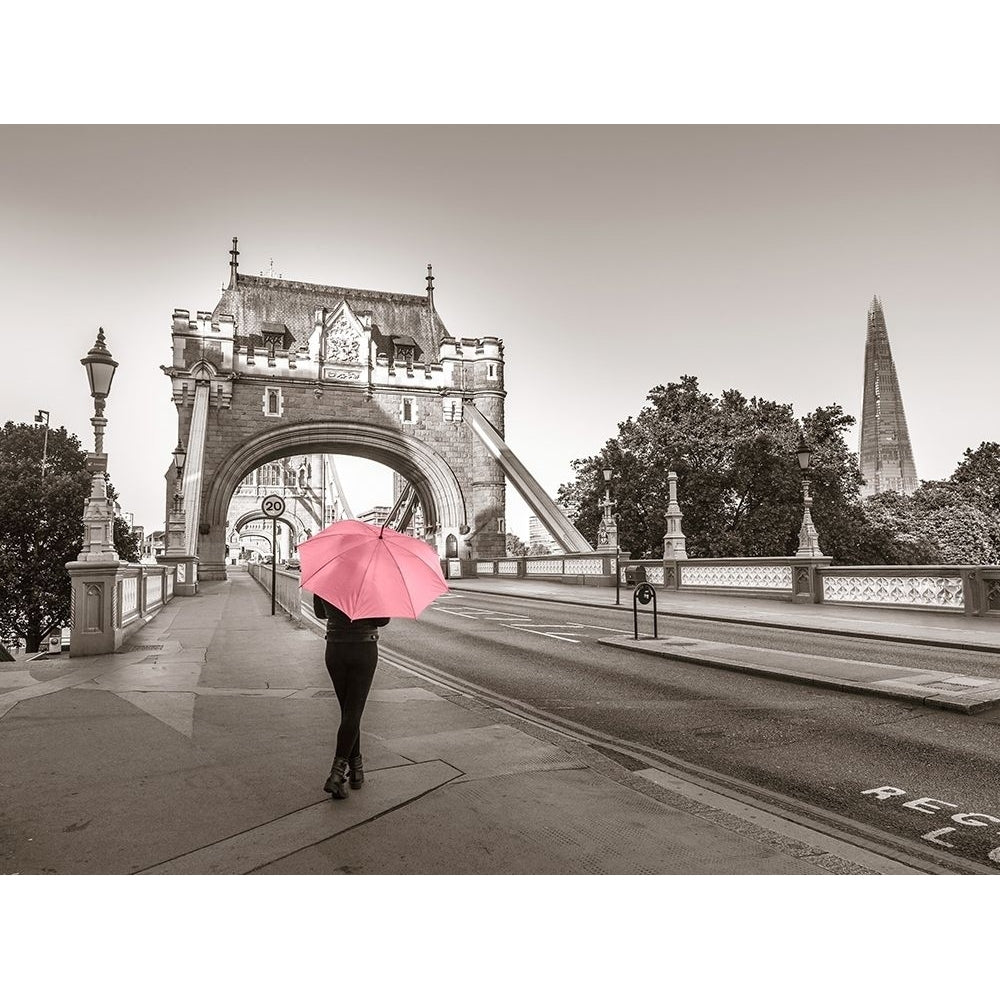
{"x": 744, "y": 577}
{"x": 991, "y": 595}
{"x": 484, "y": 569}
{"x": 924, "y": 591}
{"x": 154, "y": 589}
{"x": 507, "y": 567}
{"x": 654, "y": 573}
{"x": 129, "y": 599}
{"x": 585, "y": 567}
{"x": 548, "y": 567}
{"x": 169, "y": 577}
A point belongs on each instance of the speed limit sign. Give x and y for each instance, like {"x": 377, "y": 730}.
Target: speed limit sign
{"x": 273, "y": 506}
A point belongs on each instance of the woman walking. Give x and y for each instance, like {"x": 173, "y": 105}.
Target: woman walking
{"x": 351, "y": 658}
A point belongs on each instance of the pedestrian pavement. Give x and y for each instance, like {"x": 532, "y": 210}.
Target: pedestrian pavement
{"x": 950, "y": 629}
{"x": 202, "y": 747}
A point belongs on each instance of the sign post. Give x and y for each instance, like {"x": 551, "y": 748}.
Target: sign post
{"x": 273, "y": 507}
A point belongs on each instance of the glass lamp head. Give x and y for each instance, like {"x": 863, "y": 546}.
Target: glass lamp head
{"x": 804, "y": 454}
{"x": 100, "y": 367}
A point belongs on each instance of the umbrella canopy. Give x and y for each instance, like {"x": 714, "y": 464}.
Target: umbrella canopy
{"x": 370, "y": 571}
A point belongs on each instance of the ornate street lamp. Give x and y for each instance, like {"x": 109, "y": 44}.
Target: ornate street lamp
{"x": 42, "y": 417}
{"x": 98, "y": 515}
{"x": 608, "y": 532}
{"x": 808, "y": 536}
{"x": 179, "y": 455}
{"x": 100, "y": 371}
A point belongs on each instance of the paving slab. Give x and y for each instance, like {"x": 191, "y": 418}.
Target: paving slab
{"x": 267, "y": 843}
{"x": 208, "y": 755}
{"x": 566, "y": 822}
{"x": 953, "y": 692}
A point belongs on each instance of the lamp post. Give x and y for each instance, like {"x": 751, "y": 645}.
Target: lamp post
{"x": 808, "y": 537}
{"x": 179, "y": 455}
{"x": 608, "y": 533}
{"x": 98, "y": 516}
{"x": 42, "y": 417}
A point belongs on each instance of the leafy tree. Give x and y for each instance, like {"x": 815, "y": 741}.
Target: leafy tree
{"x": 738, "y": 478}
{"x": 538, "y": 549}
{"x": 515, "y": 547}
{"x": 978, "y": 476}
{"x": 940, "y": 523}
{"x": 41, "y": 528}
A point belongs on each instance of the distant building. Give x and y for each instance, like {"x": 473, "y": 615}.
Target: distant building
{"x": 886, "y": 456}
{"x": 374, "y": 515}
{"x": 153, "y": 545}
{"x": 538, "y": 535}
{"x": 377, "y": 515}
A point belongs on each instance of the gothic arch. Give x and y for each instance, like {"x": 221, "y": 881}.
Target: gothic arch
{"x": 296, "y": 527}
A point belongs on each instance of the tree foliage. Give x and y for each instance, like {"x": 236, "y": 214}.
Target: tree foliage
{"x": 740, "y": 488}
{"x": 954, "y": 521}
{"x": 41, "y": 528}
{"x": 515, "y": 547}
{"x": 738, "y": 478}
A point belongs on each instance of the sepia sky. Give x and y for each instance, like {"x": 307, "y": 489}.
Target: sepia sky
{"x": 608, "y": 259}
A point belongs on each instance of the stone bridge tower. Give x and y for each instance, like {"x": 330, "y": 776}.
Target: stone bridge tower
{"x": 282, "y": 368}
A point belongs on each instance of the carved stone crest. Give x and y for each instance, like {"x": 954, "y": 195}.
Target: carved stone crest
{"x": 342, "y": 343}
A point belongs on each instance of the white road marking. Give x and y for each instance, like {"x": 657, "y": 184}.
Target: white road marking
{"x": 624, "y": 631}
{"x": 930, "y": 806}
{"x": 551, "y": 635}
{"x": 555, "y": 630}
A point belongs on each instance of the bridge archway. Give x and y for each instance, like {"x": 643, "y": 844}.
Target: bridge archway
{"x": 291, "y": 533}
{"x": 435, "y": 483}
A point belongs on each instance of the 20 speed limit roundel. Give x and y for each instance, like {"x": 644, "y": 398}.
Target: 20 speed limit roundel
{"x": 273, "y": 506}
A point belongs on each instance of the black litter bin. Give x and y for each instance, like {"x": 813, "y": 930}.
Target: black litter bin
{"x": 635, "y": 575}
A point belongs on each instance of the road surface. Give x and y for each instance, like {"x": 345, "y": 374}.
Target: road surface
{"x": 920, "y": 781}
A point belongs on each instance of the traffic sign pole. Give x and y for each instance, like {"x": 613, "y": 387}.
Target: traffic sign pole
{"x": 274, "y": 560}
{"x": 273, "y": 507}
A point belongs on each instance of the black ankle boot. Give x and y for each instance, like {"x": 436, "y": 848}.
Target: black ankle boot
{"x": 357, "y": 771}
{"x": 336, "y": 784}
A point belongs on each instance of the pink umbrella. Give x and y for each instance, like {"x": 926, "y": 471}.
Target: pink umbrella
{"x": 370, "y": 571}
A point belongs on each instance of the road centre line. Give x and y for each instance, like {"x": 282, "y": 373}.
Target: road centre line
{"x": 624, "y": 631}
{"x": 552, "y": 635}
{"x": 521, "y": 622}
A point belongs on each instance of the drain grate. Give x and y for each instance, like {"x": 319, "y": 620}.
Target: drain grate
{"x": 325, "y": 694}
{"x": 139, "y": 649}
{"x": 948, "y": 686}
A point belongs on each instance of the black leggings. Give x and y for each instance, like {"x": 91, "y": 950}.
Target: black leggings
{"x": 351, "y": 666}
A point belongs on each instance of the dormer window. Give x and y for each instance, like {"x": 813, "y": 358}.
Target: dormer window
{"x": 404, "y": 351}
{"x": 275, "y": 337}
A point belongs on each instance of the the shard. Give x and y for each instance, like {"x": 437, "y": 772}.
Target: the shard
{"x": 886, "y": 455}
